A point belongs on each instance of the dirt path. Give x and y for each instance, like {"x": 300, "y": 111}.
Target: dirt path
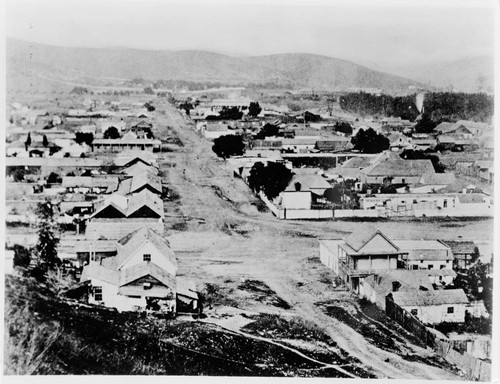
{"x": 227, "y": 239}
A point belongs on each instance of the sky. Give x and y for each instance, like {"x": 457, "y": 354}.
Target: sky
{"x": 392, "y": 33}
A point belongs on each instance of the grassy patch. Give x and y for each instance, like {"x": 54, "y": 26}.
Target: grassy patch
{"x": 47, "y": 336}
{"x": 262, "y": 293}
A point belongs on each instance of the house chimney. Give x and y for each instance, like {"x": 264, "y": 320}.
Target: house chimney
{"x": 298, "y": 186}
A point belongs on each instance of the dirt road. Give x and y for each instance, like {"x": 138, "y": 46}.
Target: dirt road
{"x": 224, "y": 239}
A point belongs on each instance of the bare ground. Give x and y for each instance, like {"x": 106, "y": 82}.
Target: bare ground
{"x": 221, "y": 237}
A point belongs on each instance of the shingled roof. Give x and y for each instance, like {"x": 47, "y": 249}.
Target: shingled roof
{"x": 393, "y": 167}
{"x": 143, "y": 269}
{"x": 428, "y": 298}
{"x": 130, "y": 243}
{"x": 459, "y": 247}
{"x": 362, "y": 235}
{"x": 147, "y": 201}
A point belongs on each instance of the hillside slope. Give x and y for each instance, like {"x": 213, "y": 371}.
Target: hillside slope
{"x": 36, "y": 61}
{"x": 470, "y": 75}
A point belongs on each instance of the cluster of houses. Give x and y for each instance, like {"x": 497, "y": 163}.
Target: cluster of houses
{"x": 127, "y": 262}
{"x": 36, "y": 133}
{"x": 413, "y": 282}
{"x": 415, "y": 273}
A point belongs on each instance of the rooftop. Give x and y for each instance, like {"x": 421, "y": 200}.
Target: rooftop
{"x": 428, "y": 298}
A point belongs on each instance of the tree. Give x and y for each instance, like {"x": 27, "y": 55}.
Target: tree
{"x": 267, "y": 131}
{"x": 343, "y": 127}
{"x": 18, "y": 174}
{"x": 111, "y": 133}
{"x": 149, "y": 91}
{"x": 22, "y": 256}
{"x": 45, "y": 141}
{"x": 27, "y": 143}
{"x": 79, "y": 91}
{"x": 425, "y": 124}
{"x": 54, "y": 178}
{"x": 228, "y": 145}
{"x": 230, "y": 113}
{"x": 46, "y": 247}
{"x": 254, "y": 109}
{"x": 333, "y": 195}
{"x": 271, "y": 179}
{"x": 150, "y": 107}
{"x": 85, "y": 137}
{"x": 370, "y": 141}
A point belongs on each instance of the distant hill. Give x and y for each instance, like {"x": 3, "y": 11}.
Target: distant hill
{"x": 469, "y": 75}
{"x": 300, "y": 70}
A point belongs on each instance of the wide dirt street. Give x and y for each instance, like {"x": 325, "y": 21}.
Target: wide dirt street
{"x": 220, "y": 236}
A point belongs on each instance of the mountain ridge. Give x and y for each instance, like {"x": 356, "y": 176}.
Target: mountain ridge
{"x": 294, "y": 70}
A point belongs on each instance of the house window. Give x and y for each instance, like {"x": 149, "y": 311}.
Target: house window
{"x": 98, "y": 293}
{"x": 414, "y": 201}
{"x": 403, "y": 181}
{"x": 442, "y": 266}
{"x": 430, "y": 266}
{"x": 451, "y": 310}
{"x": 445, "y": 203}
{"x": 415, "y": 266}
{"x": 146, "y": 257}
{"x": 414, "y": 312}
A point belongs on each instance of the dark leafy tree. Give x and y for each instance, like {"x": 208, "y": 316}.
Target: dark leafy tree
{"x": 254, "y": 109}
{"x": 22, "y": 256}
{"x": 230, "y": 113}
{"x": 333, "y": 195}
{"x": 27, "y": 143}
{"x": 267, "y": 131}
{"x": 149, "y": 91}
{"x": 150, "y": 107}
{"x": 228, "y": 145}
{"x": 111, "y": 133}
{"x": 425, "y": 124}
{"x": 54, "y": 178}
{"x": 46, "y": 247}
{"x": 85, "y": 137}
{"x": 343, "y": 127}
{"x": 80, "y": 91}
{"x": 18, "y": 175}
{"x": 271, "y": 179}
{"x": 477, "y": 283}
{"x": 370, "y": 141}
{"x": 311, "y": 117}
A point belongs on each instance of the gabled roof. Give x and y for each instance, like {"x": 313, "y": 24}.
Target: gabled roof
{"x": 399, "y": 167}
{"x": 143, "y": 269}
{"x": 357, "y": 162}
{"x": 139, "y": 167}
{"x": 147, "y": 178}
{"x": 409, "y": 280}
{"x": 362, "y": 236}
{"x": 424, "y": 250}
{"x": 130, "y": 243}
{"x": 461, "y": 246}
{"x": 428, "y": 298}
{"x": 148, "y": 199}
{"x": 100, "y": 272}
{"x": 308, "y": 182}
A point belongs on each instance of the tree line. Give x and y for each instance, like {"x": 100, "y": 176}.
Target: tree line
{"x": 440, "y": 106}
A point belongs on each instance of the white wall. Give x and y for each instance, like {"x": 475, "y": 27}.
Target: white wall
{"x": 435, "y": 314}
{"x": 111, "y": 298}
{"x": 296, "y": 200}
